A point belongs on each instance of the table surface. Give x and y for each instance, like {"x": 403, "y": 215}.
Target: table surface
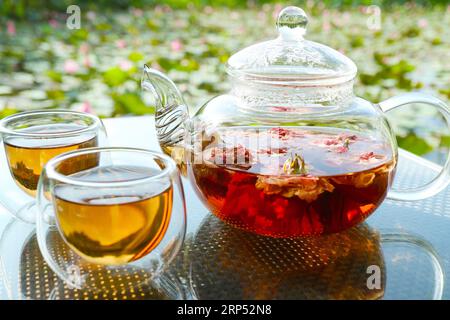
{"x": 407, "y": 241}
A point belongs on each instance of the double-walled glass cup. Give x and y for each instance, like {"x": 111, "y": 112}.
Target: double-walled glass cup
{"x": 30, "y": 139}
{"x": 121, "y": 216}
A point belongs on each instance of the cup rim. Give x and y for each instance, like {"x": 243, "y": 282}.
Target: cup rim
{"x": 170, "y": 167}
{"x": 4, "y": 130}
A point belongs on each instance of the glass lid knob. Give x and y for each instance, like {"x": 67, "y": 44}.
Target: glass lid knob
{"x": 291, "y": 23}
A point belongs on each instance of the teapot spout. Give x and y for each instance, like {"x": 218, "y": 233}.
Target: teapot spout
{"x": 171, "y": 114}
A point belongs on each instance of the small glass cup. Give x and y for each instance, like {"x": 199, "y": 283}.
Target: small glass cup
{"x": 30, "y": 139}
{"x": 122, "y": 218}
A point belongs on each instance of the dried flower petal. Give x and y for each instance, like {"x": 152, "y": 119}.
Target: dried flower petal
{"x": 295, "y": 164}
{"x": 330, "y": 142}
{"x": 359, "y": 180}
{"x": 238, "y": 156}
{"x": 270, "y": 151}
{"x": 341, "y": 149}
{"x": 363, "y": 180}
{"x": 306, "y": 188}
{"x": 281, "y": 133}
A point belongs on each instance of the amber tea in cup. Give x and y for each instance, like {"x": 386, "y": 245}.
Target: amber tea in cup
{"x": 124, "y": 216}
{"x": 26, "y": 157}
{"x": 113, "y": 226}
{"x": 115, "y": 212}
{"x": 30, "y": 140}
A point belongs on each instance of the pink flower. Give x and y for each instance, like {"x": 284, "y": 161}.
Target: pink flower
{"x": 125, "y": 65}
{"x": 422, "y": 23}
{"x": 138, "y": 12}
{"x": 176, "y": 45}
{"x": 276, "y": 10}
{"x": 183, "y": 87}
{"x": 84, "y": 48}
{"x": 71, "y": 66}
{"x": 11, "y": 28}
{"x": 53, "y": 23}
{"x": 87, "y": 62}
{"x": 86, "y": 107}
{"x": 121, "y": 44}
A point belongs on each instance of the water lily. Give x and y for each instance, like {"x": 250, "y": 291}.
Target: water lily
{"x": 11, "y": 28}
{"x": 87, "y": 62}
{"x": 137, "y": 12}
{"x": 276, "y": 10}
{"x": 53, "y": 23}
{"x": 422, "y": 23}
{"x": 71, "y": 66}
{"x": 121, "y": 43}
{"x": 86, "y": 107}
{"x": 176, "y": 45}
{"x": 125, "y": 65}
{"x": 84, "y": 48}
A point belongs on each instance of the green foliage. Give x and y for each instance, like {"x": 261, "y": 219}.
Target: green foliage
{"x": 127, "y": 103}
{"x": 414, "y": 143}
{"x": 46, "y": 65}
{"x": 28, "y": 8}
{"x": 7, "y": 112}
{"x": 396, "y": 71}
{"x": 445, "y": 141}
{"x": 114, "y": 77}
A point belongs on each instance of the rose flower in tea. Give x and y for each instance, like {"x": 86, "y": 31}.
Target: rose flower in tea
{"x": 321, "y": 181}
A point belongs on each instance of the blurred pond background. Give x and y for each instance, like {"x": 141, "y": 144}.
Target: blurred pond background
{"x": 97, "y": 68}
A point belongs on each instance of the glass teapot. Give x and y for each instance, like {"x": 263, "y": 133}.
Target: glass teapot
{"x": 290, "y": 150}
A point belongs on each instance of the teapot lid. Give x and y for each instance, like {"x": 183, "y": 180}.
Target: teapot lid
{"x": 290, "y": 58}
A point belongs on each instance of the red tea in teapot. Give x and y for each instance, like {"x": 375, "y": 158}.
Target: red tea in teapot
{"x": 288, "y": 182}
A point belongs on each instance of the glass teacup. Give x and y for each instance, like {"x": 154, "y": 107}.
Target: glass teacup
{"x": 30, "y": 139}
{"x": 123, "y": 215}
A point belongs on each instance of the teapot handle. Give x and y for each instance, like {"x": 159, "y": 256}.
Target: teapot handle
{"x": 441, "y": 181}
